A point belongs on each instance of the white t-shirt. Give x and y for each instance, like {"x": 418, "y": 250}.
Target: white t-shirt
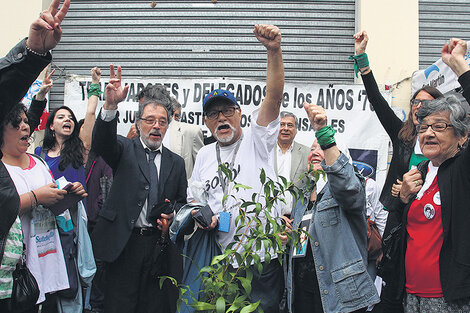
{"x": 284, "y": 164}
{"x": 255, "y": 152}
{"x": 44, "y": 256}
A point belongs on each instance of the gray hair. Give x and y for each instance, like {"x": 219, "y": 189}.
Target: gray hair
{"x": 286, "y": 114}
{"x": 175, "y": 104}
{"x": 159, "y": 96}
{"x": 457, "y": 114}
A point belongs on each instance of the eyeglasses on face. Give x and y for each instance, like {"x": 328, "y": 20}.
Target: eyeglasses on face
{"x": 288, "y": 125}
{"x": 226, "y": 111}
{"x": 437, "y": 127}
{"x": 418, "y": 101}
{"x": 162, "y": 122}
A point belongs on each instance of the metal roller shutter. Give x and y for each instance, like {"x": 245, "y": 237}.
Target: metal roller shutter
{"x": 202, "y": 39}
{"x": 440, "y": 20}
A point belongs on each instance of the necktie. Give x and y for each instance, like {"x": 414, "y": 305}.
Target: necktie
{"x": 153, "y": 194}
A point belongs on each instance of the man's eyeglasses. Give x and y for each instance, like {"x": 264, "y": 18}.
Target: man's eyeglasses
{"x": 226, "y": 111}
{"x": 151, "y": 121}
{"x": 418, "y": 101}
{"x": 437, "y": 127}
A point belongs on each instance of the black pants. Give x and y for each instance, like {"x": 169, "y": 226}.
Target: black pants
{"x": 307, "y": 298}
{"x": 268, "y": 287}
{"x": 130, "y": 287}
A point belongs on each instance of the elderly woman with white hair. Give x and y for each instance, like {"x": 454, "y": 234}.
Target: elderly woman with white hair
{"x": 434, "y": 253}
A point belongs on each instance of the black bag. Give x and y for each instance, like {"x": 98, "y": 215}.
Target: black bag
{"x": 204, "y": 216}
{"x": 25, "y": 291}
{"x": 387, "y": 266}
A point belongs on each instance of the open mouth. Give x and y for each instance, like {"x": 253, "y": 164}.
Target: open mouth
{"x": 67, "y": 127}
{"x": 25, "y": 138}
{"x": 155, "y": 136}
{"x": 223, "y": 127}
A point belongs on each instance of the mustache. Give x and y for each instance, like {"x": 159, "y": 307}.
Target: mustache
{"x": 155, "y": 132}
{"x": 225, "y": 124}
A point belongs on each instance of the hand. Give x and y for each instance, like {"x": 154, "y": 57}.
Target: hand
{"x": 46, "y": 86}
{"x": 95, "y": 75}
{"x": 453, "y": 54}
{"x": 316, "y": 114}
{"x": 49, "y": 194}
{"x": 164, "y": 222}
{"x": 114, "y": 93}
{"x": 396, "y": 188}
{"x": 360, "y": 42}
{"x": 77, "y": 188}
{"x": 288, "y": 228}
{"x": 211, "y": 226}
{"x": 412, "y": 183}
{"x": 45, "y": 32}
{"x": 269, "y": 36}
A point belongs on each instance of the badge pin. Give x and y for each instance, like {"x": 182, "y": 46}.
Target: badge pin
{"x": 429, "y": 211}
{"x": 437, "y": 198}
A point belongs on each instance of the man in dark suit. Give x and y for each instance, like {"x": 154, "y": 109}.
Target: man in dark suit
{"x": 129, "y": 228}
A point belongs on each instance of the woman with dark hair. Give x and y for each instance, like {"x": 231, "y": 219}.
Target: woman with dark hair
{"x": 406, "y": 151}
{"x": 37, "y": 190}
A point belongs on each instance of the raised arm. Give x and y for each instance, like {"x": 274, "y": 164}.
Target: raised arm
{"x": 270, "y": 37}
{"x": 39, "y": 101}
{"x": 105, "y": 141}
{"x": 390, "y": 122}
{"x": 27, "y": 59}
{"x": 90, "y": 115}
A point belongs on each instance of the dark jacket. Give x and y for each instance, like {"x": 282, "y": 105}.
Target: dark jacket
{"x": 453, "y": 179}
{"x": 18, "y": 70}
{"x": 399, "y": 164}
{"x": 131, "y": 186}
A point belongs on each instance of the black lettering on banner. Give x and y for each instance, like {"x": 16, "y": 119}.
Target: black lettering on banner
{"x": 243, "y": 120}
{"x": 230, "y": 87}
{"x": 174, "y": 90}
{"x": 131, "y": 92}
{"x": 340, "y": 97}
{"x": 321, "y": 98}
{"x": 208, "y": 185}
{"x": 206, "y": 89}
{"x": 185, "y": 97}
{"x": 363, "y": 96}
{"x": 239, "y": 95}
{"x": 248, "y": 94}
{"x": 197, "y": 92}
{"x": 350, "y": 99}
{"x": 183, "y": 117}
{"x": 285, "y": 100}
{"x": 257, "y": 95}
{"x": 330, "y": 99}
{"x": 128, "y": 117}
{"x": 341, "y": 126}
{"x": 300, "y": 98}
{"x": 82, "y": 87}
{"x": 140, "y": 87}
{"x": 235, "y": 172}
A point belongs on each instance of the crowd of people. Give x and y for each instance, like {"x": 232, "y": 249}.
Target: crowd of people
{"x": 89, "y": 212}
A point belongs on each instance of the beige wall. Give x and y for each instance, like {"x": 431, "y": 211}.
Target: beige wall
{"x": 393, "y": 43}
{"x": 15, "y": 18}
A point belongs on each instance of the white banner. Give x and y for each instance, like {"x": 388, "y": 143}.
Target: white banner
{"x": 349, "y": 112}
{"x": 437, "y": 75}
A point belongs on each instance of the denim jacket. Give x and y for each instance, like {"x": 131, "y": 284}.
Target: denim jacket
{"x": 338, "y": 241}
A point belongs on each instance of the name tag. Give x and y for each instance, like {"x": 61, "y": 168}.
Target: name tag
{"x": 224, "y": 222}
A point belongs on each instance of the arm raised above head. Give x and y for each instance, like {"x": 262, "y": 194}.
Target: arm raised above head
{"x": 270, "y": 37}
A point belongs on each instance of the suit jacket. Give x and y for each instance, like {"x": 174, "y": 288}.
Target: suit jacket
{"x": 298, "y": 163}
{"x": 185, "y": 141}
{"x": 130, "y": 188}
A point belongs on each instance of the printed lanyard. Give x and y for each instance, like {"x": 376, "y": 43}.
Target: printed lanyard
{"x": 230, "y": 167}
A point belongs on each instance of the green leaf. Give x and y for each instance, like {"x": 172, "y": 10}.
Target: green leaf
{"x": 238, "y": 186}
{"x": 262, "y": 176}
{"x": 217, "y": 259}
{"x": 201, "y": 306}
{"x": 220, "y": 305}
{"x": 246, "y": 284}
{"x": 250, "y": 308}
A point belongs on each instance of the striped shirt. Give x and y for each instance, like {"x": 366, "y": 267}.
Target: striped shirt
{"x": 13, "y": 252}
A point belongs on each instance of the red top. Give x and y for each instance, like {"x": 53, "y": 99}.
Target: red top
{"x": 424, "y": 244}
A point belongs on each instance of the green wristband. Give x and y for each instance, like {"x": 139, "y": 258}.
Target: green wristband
{"x": 94, "y": 90}
{"x": 360, "y": 61}
{"x": 325, "y": 136}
